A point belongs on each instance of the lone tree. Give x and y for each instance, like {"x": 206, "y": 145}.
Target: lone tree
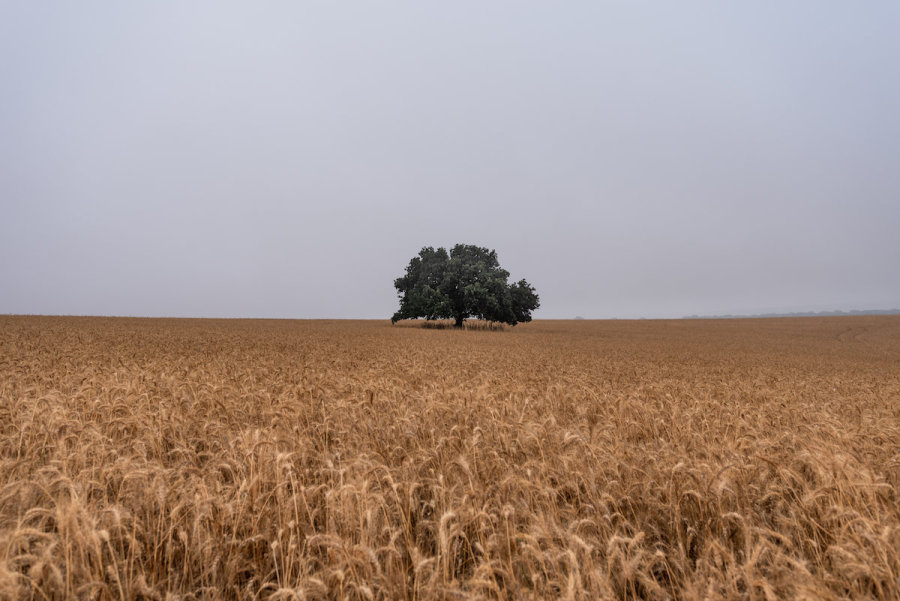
{"x": 466, "y": 282}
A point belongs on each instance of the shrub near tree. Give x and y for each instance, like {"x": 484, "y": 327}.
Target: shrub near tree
{"x": 465, "y": 282}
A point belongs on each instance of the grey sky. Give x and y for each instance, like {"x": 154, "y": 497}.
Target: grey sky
{"x": 263, "y": 159}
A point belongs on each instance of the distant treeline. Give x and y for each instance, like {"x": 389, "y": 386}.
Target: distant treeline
{"x": 800, "y": 314}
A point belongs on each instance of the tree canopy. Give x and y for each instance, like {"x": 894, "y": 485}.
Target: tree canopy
{"x": 465, "y": 282}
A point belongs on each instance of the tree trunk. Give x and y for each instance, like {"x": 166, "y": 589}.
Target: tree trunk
{"x": 459, "y": 320}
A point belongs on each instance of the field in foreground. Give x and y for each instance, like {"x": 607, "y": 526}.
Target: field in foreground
{"x": 203, "y": 459}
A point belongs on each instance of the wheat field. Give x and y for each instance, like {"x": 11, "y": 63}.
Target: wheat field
{"x": 256, "y": 459}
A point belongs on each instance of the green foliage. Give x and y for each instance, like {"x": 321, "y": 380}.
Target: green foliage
{"x": 466, "y": 282}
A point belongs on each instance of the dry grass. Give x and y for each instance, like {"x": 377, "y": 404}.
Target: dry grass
{"x": 191, "y": 459}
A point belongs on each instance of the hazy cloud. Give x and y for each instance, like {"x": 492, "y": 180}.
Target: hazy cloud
{"x": 288, "y": 159}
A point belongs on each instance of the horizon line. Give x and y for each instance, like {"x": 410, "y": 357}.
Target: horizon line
{"x": 767, "y": 315}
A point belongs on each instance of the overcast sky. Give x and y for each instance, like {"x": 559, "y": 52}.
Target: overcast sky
{"x": 287, "y": 159}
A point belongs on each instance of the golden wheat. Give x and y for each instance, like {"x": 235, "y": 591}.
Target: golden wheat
{"x": 204, "y": 459}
